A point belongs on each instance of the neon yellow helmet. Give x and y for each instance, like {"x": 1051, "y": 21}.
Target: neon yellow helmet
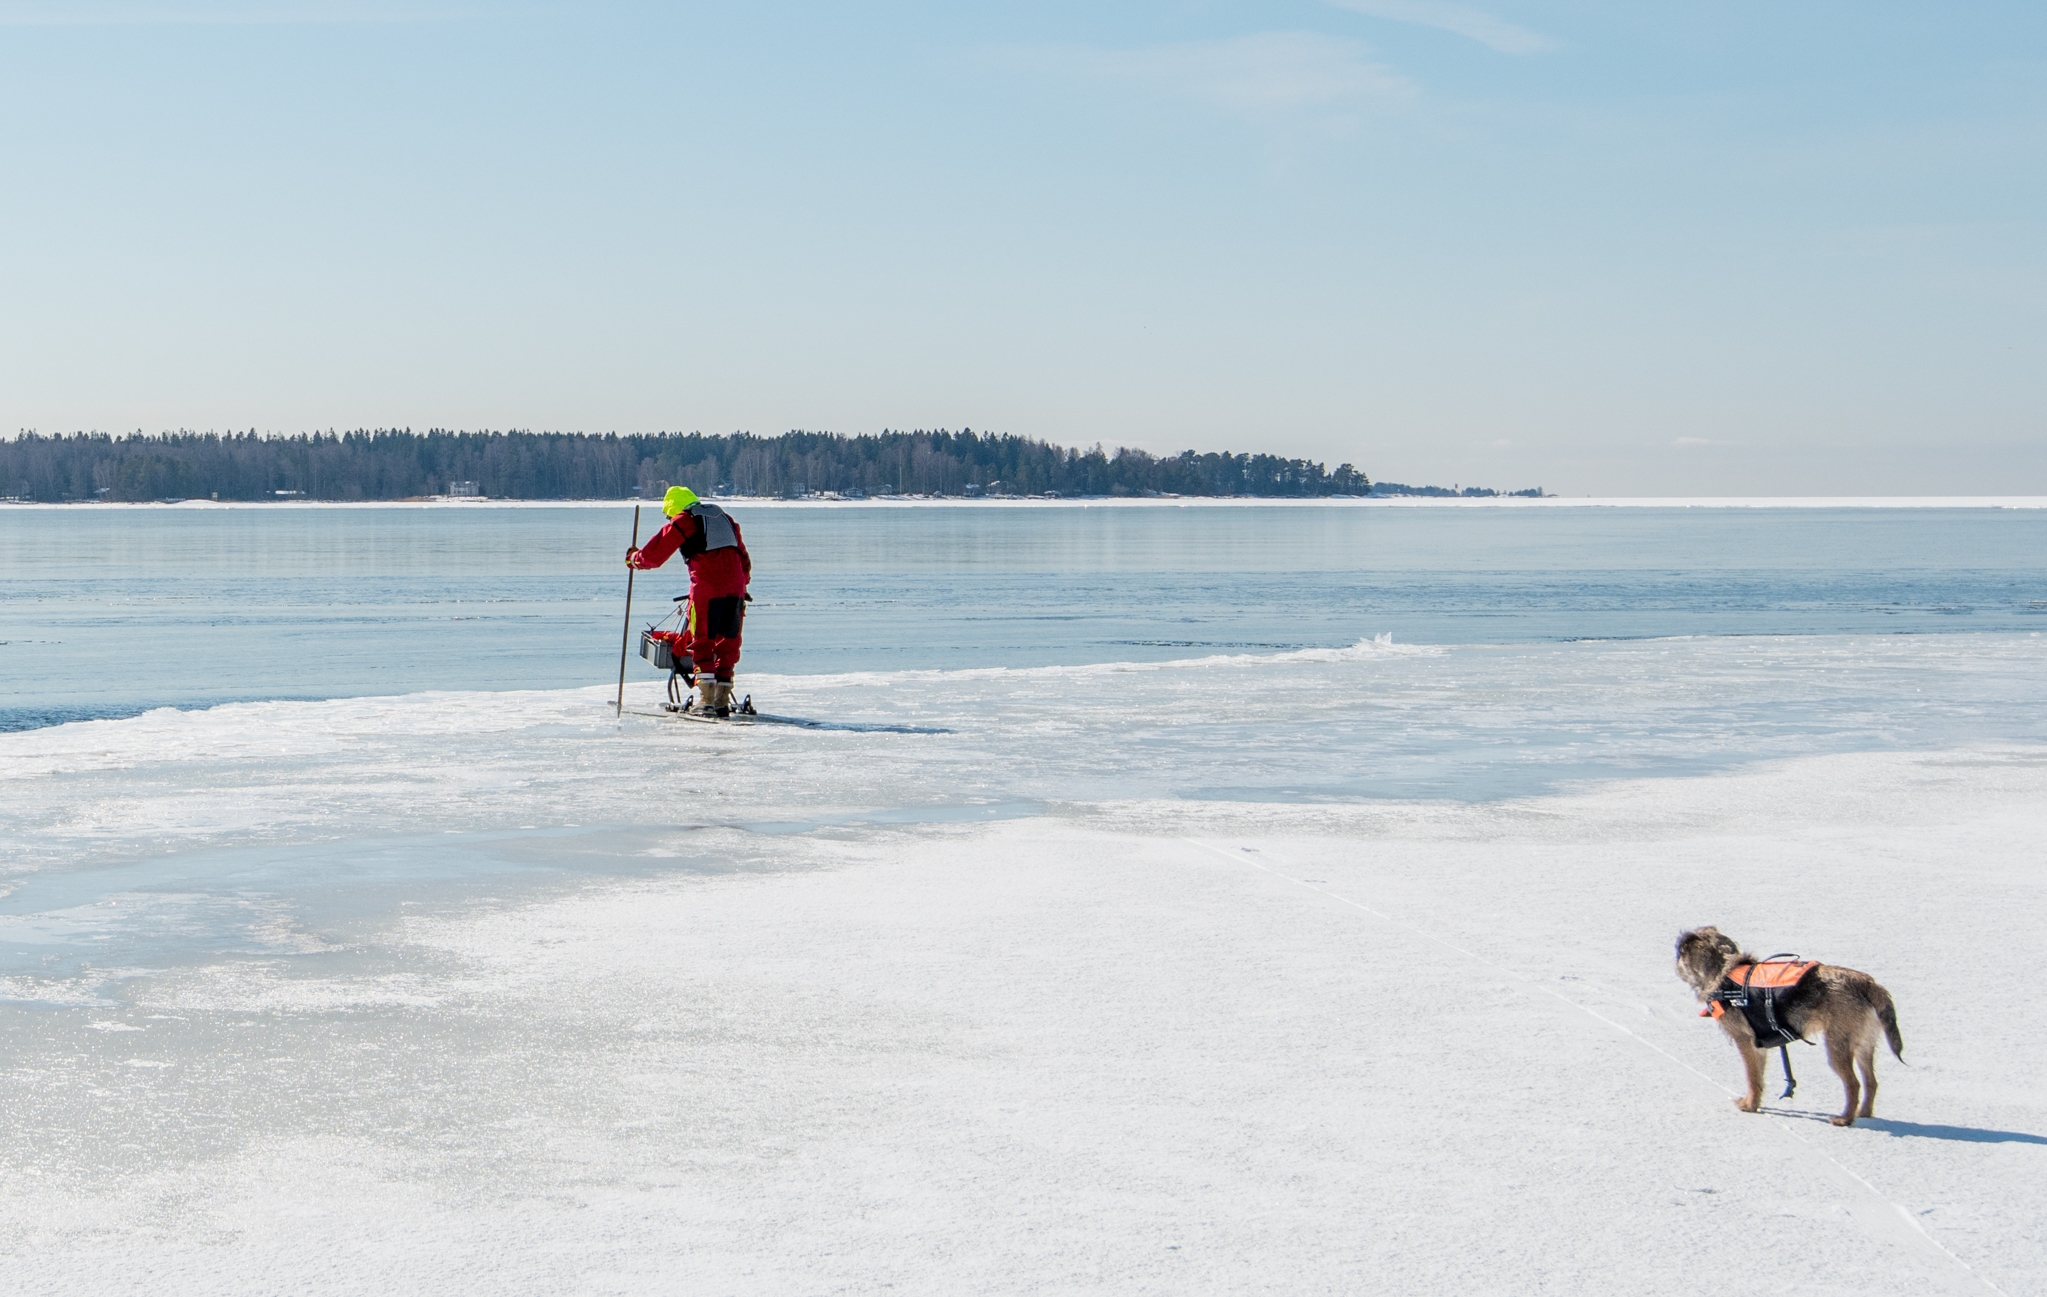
{"x": 677, "y": 499}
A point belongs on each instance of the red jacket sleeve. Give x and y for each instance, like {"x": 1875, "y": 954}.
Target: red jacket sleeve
{"x": 663, "y": 544}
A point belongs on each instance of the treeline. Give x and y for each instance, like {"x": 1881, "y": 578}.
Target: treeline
{"x": 397, "y": 464}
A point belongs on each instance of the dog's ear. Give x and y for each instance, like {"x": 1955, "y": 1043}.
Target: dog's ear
{"x": 1707, "y": 938}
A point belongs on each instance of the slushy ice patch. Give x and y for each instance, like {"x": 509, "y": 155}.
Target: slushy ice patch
{"x": 1375, "y": 720}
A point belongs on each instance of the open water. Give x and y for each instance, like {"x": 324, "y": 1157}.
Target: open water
{"x": 109, "y": 611}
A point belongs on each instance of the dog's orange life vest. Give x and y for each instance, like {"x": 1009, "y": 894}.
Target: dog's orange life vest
{"x": 1759, "y": 991}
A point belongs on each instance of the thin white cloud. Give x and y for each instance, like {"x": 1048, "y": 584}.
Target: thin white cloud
{"x": 1698, "y": 441}
{"x": 1491, "y": 32}
{"x": 1269, "y": 73}
{"x": 215, "y": 13}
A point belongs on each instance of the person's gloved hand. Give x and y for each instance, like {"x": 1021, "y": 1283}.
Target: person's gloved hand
{"x": 632, "y": 558}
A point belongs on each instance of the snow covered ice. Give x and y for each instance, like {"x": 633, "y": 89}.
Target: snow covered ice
{"x": 1327, "y": 971}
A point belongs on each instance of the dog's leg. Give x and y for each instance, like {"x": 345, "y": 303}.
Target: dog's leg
{"x": 1866, "y": 1060}
{"x": 1752, "y": 1059}
{"x": 1841, "y": 1057}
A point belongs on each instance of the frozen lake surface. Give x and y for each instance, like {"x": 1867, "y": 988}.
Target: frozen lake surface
{"x": 1297, "y": 960}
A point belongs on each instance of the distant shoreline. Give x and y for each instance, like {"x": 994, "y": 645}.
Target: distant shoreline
{"x": 1113, "y": 502}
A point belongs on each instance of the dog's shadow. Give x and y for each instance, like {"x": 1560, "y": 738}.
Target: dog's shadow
{"x": 1965, "y": 1134}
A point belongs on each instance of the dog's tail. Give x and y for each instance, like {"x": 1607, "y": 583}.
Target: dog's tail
{"x": 1887, "y": 1014}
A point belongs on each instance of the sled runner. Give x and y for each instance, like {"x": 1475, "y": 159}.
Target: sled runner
{"x": 744, "y": 719}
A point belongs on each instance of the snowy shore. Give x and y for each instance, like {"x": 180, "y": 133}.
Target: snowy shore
{"x": 1153, "y": 1047}
{"x": 417, "y": 994}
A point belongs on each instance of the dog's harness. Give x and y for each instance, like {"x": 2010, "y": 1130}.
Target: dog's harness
{"x": 1756, "y": 989}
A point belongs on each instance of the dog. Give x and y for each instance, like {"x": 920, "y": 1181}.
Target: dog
{"x": 1846, "y": 1007}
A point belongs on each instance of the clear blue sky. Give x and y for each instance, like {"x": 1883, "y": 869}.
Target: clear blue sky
{"x": 1607, "y": 248}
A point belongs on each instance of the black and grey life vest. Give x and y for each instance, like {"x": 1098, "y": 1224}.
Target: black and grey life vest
{"x": 719, "y": 532}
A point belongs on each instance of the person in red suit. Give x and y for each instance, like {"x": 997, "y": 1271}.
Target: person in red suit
{"x": 719, "y": 570}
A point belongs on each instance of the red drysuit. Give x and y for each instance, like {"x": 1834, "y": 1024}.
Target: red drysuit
{"x": 717, "y": 585}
